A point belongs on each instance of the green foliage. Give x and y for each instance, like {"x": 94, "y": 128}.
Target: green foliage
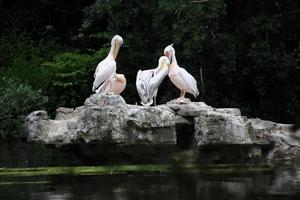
{"x": 17, "y": 100}
{"x": 70, "y": 77}
{"x": 21, "y": 57}
{"x": 248, "y": 50}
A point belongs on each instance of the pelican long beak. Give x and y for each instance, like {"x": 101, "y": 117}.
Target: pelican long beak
{"x": 116, "y": 49}
{"x": 168, "y": 54}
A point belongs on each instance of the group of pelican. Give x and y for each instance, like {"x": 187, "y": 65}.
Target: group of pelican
{"x": 147, "y": 81}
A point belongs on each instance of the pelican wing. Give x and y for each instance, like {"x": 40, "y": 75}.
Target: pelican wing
{"x": 142, "y": 83}
{"x": 105, "y": 86}
{"x": 189, "y": 80}
{"x": 156, "y": 80}
{"x": 104, "y": 71}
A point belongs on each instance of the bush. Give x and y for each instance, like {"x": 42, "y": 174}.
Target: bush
{"x": 21, "y": 57}
{"x": 70, "y": 75}
{"x": 17, "y": 100}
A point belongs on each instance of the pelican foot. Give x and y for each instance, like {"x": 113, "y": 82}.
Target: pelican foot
{"x": 148, "y": 104}
{"x": 182, "y": 100}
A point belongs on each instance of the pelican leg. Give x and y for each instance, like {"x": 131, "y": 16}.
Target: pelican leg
{"x": 108, "y": 87}
{"x": 154, "y": 96}
{"x": 183, "y": 94}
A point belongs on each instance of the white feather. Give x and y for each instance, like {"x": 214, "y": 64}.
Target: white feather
{"x": 190, "y": 81}
{"x": 142, "y": 80}
{"x": 147, "y": 83}
{"x": 104, "y": 71}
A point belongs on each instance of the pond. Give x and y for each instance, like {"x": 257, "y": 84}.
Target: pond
{"x": 282, "y": 183}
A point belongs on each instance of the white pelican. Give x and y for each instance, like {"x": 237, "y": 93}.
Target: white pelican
{"x": 179, "y": 76}
{"x": 115, "y": 84}
{"x": 148, "y": 81}
{"x": 106, "y": 69}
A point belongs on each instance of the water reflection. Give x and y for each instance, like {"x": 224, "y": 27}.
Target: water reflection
{"x": 283, "y": 184}
{"x": 34, "y": 155}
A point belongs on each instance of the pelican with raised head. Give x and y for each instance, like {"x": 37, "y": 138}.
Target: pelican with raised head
{"x": 148, "y": 81}
{"x": 179, "y": 76}
{"x": 106, "y": 70}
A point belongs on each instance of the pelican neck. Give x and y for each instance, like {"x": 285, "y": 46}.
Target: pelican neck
{"x": 112, "y": 50}
{"x": 174, "y": 61}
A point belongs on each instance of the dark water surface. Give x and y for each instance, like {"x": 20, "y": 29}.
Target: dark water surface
{"x": 283, "y": 183}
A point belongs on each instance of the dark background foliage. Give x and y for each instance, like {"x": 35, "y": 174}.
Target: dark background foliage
{"x": 248, "y": 51}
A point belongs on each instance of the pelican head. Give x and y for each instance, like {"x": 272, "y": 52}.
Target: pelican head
{"x": 163, "y": 62}
{"x": 121, "y": 77}
{"x": 116, "y": 43}
{"x": 169, "y": 51}
{"x": 117, "y": 39}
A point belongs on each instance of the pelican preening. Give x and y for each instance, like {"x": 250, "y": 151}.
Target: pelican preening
{"x": 106, "y": 70}
{"x": 115, "y": 84}
{"x": 179, "y": 76}
{"x": 148, "y": 81}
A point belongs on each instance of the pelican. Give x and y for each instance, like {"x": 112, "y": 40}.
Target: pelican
{"x": 106, "y": 69}
{"x": 115, "y": 84}
{"x": 179, "y": 76}
{"x": 148, "y": 81}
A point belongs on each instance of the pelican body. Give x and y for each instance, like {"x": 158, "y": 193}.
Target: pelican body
{"x": 115, "y": 84}
{"x": 105, "y": 73}
{"x": 148, "y": 81}
{"x": 179, "y": 76}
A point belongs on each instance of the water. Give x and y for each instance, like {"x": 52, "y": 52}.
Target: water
{"x": 284, "y": 183}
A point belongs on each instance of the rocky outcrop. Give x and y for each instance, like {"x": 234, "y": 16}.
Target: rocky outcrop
{"x": 180, "y": 128}
{"x": 104, "y": 119}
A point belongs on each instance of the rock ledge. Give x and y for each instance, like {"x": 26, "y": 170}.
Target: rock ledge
{"x": 114, "y": 128}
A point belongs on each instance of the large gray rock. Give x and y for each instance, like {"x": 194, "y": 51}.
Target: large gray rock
{"x": 286, "y": 143}
{"x": 267, "y": 131}
{"x": 104, "y": 119}
{"x": 214, "y": 127}
{"x": 108, "y": 99}
{"x": 186, "y": 108}
{"x": 115, "y": 128}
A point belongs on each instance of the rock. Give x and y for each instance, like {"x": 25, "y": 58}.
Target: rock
{"x": 34, "y": 123}
{"x": 105, "y": 119}
{"x": 286, "y": 144}
{"x": 150, "y": 117}
{"x": 63, "y": 113}
{"x": 176, "y": 104}
{"x": 107, "y": 99}
{"x": 270, "y": 132}
{"x": 218, "y": 128}
{"x": 187, "y": 108}
{"x": 232, "y": 111}
{"x": 105, "y": 127}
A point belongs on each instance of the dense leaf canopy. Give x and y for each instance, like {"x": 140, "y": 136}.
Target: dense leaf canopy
{"x": 248, "y": 51}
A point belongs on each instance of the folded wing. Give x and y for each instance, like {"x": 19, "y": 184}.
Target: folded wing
{"x": 104, "y": 71}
